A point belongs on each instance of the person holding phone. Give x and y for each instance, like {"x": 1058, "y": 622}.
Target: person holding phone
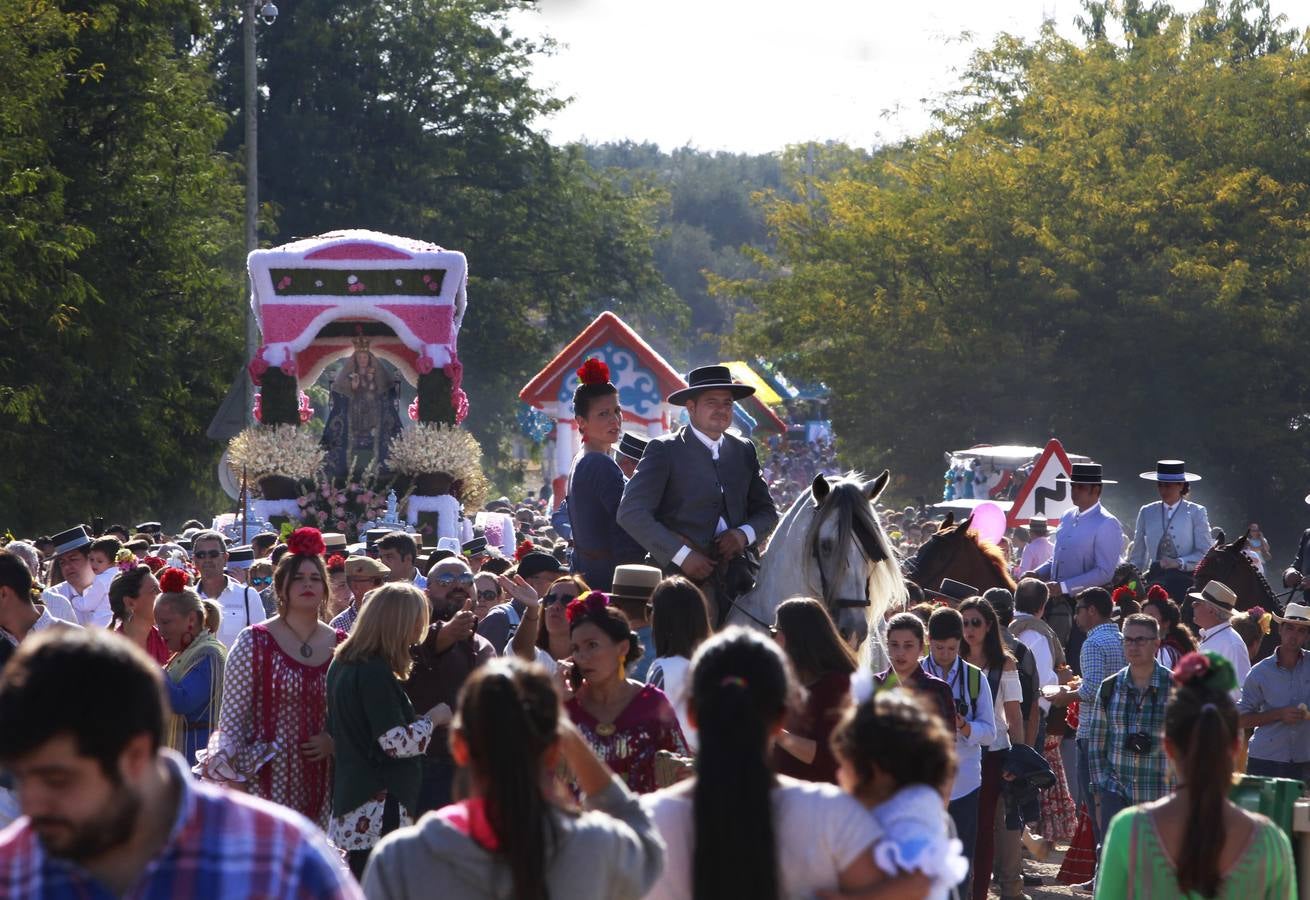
{"x": 448, "y": 654}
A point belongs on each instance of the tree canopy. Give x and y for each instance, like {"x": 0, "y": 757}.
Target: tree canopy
{"x": 1103, "y": 240}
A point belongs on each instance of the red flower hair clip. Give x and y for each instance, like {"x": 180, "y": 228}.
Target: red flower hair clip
{"x": 523, "y": 550}
{"x": 1121, "y": 594}
{"x": 594, "y": 371}
{"x": 155, "y": 563}
{"x": 336, "y": 563}
{"x": 174, "y": 580}
{"x": 592, "y": 603}
{"x": 1190, "y": 668}
{"x": 306, "y": 542}
{"x": 1157, "y": 593}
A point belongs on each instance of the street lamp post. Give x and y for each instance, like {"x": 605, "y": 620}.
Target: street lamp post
{"x": 267, "y": 12}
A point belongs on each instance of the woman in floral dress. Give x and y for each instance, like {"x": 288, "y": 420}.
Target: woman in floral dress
{"x": 627, "y": 722}
{"x": 271, "y": 737}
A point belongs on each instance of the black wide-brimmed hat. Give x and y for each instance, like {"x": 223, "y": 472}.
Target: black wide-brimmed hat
{"x": 1170, "y": 471}
{"x": 710, "y": 378}
{"x": 1085, "y": 473}
{"x": 953, "y": 591}
{"x": 72, "y": 539}
{"x": 632, "y": 446}
{"x": 1039, "y": 525}
{"x": 475, "y": 547}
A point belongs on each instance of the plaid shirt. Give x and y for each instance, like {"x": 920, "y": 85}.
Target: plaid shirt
{"x": 1102, "y": 655}
{"x": 1141, "y": 777}
{"x": 222, "y": 845}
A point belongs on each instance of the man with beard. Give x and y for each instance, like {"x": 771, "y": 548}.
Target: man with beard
{"x": 444, "y": 660}
{"x": 109, "y": 812}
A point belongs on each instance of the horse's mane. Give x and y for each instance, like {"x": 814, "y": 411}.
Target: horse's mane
{"x": 993, "y": 554}
{"x": 847, "y": 502}
{"x": 1202, "y": 574}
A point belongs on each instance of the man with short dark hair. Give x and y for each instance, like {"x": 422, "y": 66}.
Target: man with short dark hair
{"x": 241, "y": 605}
{"x": 1102, "y": 655}
{"x": 109, "y": 812}
{"x": 975, "y": 723}
{"x": 1125, "y": 726}
{"x": 19, "y": 616}
{"x": 397, "y": 551}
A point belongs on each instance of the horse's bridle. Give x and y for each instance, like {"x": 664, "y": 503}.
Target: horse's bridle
{"x": 823, "y": 579}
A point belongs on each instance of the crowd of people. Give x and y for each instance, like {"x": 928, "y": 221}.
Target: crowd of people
{"x": 302, "y": 717}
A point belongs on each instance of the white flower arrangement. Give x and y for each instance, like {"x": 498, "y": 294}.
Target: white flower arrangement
{"x": 276, "y": 450}
{"x": 429, "y": 448}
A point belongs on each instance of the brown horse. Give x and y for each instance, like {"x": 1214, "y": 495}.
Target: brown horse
{"x": 1228, "y": 565}
{"x": 956, "y": 551}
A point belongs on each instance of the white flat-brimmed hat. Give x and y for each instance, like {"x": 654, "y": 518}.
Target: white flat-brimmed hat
{"x": 1217, "y": 594}
{"x": 1295, "y": 614}
{"x": 1171, "y": 471}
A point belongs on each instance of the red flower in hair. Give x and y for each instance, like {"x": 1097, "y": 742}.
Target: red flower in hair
{"x": 1123, "y": 593}
{"x": 1191, "y": 667}
{"x": 592, "y": 603}
{"x": 155, "y": 563}
{"x": 523, "y": 550}
{"x": 173, "y": 580}
{"x": 594, "y": 371}
{"x": 1157, "y": 593}
{"x": 306, "y": 542}
{"x": 336, "y": 563}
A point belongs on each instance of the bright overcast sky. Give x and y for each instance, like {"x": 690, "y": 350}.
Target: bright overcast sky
{"x": 756, "y": 75}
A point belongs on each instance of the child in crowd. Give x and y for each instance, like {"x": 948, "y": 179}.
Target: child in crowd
{"x": 897, "y": 758}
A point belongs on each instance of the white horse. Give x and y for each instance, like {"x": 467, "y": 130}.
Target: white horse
{"x": 831, "y": 546}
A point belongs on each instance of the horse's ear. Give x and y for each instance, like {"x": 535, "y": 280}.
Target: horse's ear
{"x": 948, "y": 521}
{"x": 1240, "y": 544}
{"x": 819, "y": 487}
{"x": 966, "y": 524}
{"x": 875, "y": 487}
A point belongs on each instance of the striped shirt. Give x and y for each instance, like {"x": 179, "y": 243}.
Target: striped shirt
{"x": 222, "y": 845}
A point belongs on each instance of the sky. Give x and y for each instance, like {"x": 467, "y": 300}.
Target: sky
{"x": 756, "y": 75}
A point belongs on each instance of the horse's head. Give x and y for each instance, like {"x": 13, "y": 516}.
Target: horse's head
{"x": 1229, "y": 565}
{"x": 956, "y": 551}
{"x": 851, "y": 552}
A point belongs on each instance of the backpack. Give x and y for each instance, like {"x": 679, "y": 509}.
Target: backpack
{"x": 1107, "y": 692}
{"x": 973, "y": 683}
{"x": 1027, "y": 666}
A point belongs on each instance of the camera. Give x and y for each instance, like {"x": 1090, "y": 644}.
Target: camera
{"x": 962, "y": 708}
{"x": 1138, "y": 742}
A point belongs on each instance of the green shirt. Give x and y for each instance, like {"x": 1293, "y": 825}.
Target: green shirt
{"x": 365, "y": 701}
{"x": 1135, "y": 864}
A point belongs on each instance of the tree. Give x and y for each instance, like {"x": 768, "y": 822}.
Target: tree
{"x": 119, "y": 257}
{"x": 418, "y": 119}
{"x": 1107, "y": 242}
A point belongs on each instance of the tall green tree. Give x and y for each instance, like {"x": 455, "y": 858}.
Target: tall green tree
{"x": 120, "y": 249}
{"x": 418, "y": 119}
{"x": 1108, "y": 242}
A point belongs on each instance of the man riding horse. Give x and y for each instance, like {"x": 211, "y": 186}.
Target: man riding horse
{"x": 697, "y": 501}
{"x": 1173, "y": 533}
{"x": 1089, "y": 541}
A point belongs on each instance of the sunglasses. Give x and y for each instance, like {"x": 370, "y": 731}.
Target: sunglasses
{"x": 488, "y": 595}
{"x": 446, "y": 579}
{"x": 1139, "y": 640}
{"x": 261, "y": 581}
{"x": 207, "y": 554}
{"x": 561, "y": 599}
{"x": 974, "y": 623}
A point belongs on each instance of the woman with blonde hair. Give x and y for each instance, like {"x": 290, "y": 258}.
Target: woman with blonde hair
{"x": 379, "y": 741}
